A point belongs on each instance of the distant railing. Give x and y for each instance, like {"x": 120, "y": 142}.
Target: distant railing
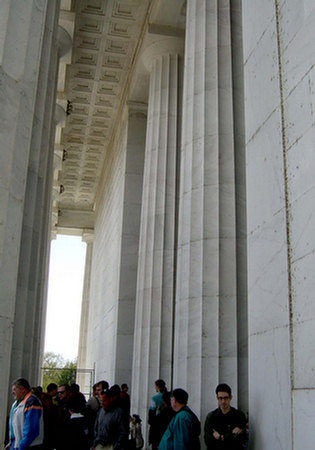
{"x": 84, "y": 377}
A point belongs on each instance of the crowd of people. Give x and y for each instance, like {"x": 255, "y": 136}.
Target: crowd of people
{"x": 62, "y": 419}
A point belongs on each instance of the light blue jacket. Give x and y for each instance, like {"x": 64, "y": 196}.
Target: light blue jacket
{"x": 26, "y": 423}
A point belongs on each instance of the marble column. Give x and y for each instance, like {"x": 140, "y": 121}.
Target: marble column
{"x": 153, "y": 344}
{"x": 134, "y": 162}
{"x": 28, "y": 73}
{"x": 23, "y": 82}
{"x": 83, "y": 379}
{"x": 28, "y": 316}
{"x": 206, "y": 295}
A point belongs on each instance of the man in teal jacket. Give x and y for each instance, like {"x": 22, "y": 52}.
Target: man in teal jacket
{"x": 184, "y": 429}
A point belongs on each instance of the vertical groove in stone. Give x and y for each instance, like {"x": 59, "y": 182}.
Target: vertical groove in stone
{"x": 287, "y": 215}
{"x": 240, "y": 195}
{"x": 227, "y": 240}
{"x": 154, "y": 304}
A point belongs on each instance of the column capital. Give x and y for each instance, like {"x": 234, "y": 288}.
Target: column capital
{"x": 135, "y": 107}
{"x": 157, "y": 45}
{"x": 64, "y": 41}
{"x": 60, "y": 115}
{"x": 88, "y": 236}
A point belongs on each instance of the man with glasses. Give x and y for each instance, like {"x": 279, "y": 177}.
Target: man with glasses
{"x": 225, "y": 427}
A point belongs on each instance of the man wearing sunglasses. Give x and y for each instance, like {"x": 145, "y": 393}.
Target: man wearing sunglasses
{"x": 63, "y": 416}
{"x": 225, "y": 427}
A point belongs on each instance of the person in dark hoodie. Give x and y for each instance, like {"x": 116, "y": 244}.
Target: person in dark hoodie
{"x": 184, "y": 429}
{"x": 77, "y": 431}
{"x": 162, "y": 420}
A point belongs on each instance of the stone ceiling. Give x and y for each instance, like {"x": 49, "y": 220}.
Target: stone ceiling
{"x": 106, "y": 37}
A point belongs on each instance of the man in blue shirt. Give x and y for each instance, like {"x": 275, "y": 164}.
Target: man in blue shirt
{"x": 183, "y": 431}
{"x": 26, "y": 418}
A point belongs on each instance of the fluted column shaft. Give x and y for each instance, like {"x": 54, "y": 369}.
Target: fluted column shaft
{"x": 133, "y": 179}
{"x": 84, "y": 379}
{"x": 35, "y": 239}
{"x": 205, "y": 321}
{"x": 28, "y": 72}
{"x": 153, "y": 348}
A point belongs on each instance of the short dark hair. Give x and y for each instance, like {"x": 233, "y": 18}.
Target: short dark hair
{"x": 160, "y": 384}
{"x": 180, "y": 396}
{"x": 75, "y": 404}
{"x": 123, "y": 386}
{"x": 38, "y": 390}
{"x": 66, "y": 386}
{"x": 104, "y": 384}
{"x": 22, "y": 382}
{"x": 223, "y": 387}
{"x": 114, "y": 391}
{"x": 74, "y": 387}
{"x": 51, "y": 387}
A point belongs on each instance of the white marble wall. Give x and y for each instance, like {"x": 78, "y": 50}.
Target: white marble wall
{"x": 268, "y": 296}
{"x": 115, "y": 255}
{"x": 297, "y": 34}
{"x": 103, "y": 308}
{"x": 279, "y": 91}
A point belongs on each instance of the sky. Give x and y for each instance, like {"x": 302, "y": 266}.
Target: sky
{"x": 65, "y": 284}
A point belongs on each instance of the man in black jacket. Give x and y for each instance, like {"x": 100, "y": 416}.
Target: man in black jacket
{"x": 225, "y": 427}
{"x": 112, "y": 422}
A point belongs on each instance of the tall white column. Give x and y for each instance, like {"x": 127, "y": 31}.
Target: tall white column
{"x": 205, "y": 311}
{"x": 134, "y": 162}
{"x": 31, "y": 292}
{"x": 84, "y": 379}
{"x": 28, "y": 72}
{"x": 153, "y": 349}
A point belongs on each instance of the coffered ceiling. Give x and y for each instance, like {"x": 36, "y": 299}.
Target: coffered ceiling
{"x": 106, "y": 37}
